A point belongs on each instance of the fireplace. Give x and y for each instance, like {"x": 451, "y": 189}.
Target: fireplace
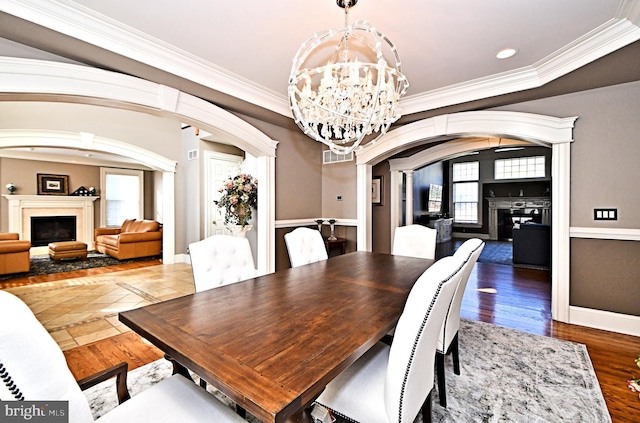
{"x": 505, "y": 211}
{"x": 46, "y": 229}
{"x": 23, "y": 207}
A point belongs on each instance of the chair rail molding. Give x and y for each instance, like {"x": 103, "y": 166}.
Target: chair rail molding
{"x": 483, "y": 128}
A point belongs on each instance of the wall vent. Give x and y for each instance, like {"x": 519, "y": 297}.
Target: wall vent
{"x": 329, "y": 157}
{"x": 192, "y": 154}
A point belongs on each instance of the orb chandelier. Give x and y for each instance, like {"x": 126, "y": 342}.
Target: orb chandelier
{"x": 342, "y": 91}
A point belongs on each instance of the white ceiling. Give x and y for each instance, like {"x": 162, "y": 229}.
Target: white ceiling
{"x": 244, "y": 49}
{"x": 440, "y": 42}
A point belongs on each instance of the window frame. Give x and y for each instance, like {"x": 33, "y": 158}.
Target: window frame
{"x": 104, "y": 171}
{"x": 517, "y": 162}
{"x": 472, "y": 177}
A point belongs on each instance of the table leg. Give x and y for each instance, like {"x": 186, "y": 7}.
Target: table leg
{"x": 301, "y": 416}
{"x": 178, "y": 368}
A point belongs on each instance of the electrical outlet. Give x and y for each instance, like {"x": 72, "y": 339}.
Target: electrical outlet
{"x": 339, "y": 198}
{"x": 605, "y": 214}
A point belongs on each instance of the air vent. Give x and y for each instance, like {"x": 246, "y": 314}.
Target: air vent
{"x": 192, "y": 154}
{"x": 329, "y": 157}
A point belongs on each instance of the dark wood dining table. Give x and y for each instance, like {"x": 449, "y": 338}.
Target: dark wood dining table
{"x": 272, "y": 343}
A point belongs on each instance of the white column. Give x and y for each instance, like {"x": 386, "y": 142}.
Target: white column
{"x": 560, "y": 241}
{"x": 363, "y": 212}
{"x": 266, "y": 253}
{"x": 409, "y": 197}
{"x": 168, "y": 205}
{"x": 395, "y": 202}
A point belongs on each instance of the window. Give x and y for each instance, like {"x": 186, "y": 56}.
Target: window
{"x": 465, "y": 192}
{"x": 122, "y": 196}
{"x": 520, "y": 167}
{"x": 434, "y": 204}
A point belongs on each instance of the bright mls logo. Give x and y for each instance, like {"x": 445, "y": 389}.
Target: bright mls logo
{"x": 34, "y": 411}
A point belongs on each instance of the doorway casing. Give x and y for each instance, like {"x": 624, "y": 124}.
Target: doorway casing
{"x": 481, "y": 128}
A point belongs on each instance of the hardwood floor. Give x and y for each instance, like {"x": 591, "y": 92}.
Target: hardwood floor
{"x": 507, "y": 296}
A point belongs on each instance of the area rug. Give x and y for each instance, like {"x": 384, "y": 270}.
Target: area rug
{"x": 43, "y": 265}
{"x": 506, "y": 376}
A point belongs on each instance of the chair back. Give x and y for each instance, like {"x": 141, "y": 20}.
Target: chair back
{"x": 32, "y": 365}
{"x": 221, "y": 260}
{"x": 469, "y": 252}
{"x": 305, "y": 246}
{"x": 415, "y": 241}
{"x": 410, "y": 371}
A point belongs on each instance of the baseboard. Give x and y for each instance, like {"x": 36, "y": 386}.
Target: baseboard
{"x": 182, "y": 258}
{"x": 605, "y": 320}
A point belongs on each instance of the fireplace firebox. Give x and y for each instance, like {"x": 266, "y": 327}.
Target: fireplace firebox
{"x": 46, "y": 229}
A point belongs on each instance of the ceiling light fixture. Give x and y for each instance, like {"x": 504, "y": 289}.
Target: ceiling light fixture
{"x": 352, "y": 100}
{"x": 506, "y": 53}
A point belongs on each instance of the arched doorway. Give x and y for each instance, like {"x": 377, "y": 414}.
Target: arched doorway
{"x": 39, "y": 80}
{"x": 544, "y": 130}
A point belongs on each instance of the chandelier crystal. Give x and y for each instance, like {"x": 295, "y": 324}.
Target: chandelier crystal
{"x": 352, "y": 100}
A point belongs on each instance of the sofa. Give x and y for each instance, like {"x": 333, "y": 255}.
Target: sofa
{"x": 14, "y": 254}
{"x": 532, "y": 244}
{"x": 135, "y": 238}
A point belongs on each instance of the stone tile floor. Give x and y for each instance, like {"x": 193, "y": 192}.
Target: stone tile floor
{"x": 82, "y": 310}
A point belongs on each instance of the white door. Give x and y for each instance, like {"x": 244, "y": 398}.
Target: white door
{"x": 218, "y": 168}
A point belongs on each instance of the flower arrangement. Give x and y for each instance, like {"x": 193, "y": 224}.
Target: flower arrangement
{"x": 634, "y": 384}
{"x": 239, "y": 197}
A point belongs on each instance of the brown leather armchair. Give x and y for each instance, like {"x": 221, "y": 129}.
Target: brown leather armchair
{"x": 135, "y": 238}
{"x": 14, "y": 254}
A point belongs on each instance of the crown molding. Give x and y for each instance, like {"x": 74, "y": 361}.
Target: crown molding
{"x": 84, "y": 24}
{"x": 609, "y": 37}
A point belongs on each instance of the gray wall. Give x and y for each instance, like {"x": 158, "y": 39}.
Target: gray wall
{"x": 604, "y": 173}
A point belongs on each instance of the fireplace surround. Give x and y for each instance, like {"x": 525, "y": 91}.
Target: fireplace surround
{"x": 23, "y": 207}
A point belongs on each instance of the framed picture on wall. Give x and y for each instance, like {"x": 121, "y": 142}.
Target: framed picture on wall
{"x": 376, "y": 191}
{"x": 53, "y": 184}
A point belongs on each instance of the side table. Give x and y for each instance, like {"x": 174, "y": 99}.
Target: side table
{"x": 338, "y": 243}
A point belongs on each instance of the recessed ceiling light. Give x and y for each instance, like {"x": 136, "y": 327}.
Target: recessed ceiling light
{"x": 506, "y": 53}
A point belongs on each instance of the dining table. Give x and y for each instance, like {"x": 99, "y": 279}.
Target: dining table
{"x": 272, "y": 343}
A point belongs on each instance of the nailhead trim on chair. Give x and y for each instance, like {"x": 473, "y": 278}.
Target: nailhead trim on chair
{"x": 6, "y": 378}
{"x": 417, "y": 339}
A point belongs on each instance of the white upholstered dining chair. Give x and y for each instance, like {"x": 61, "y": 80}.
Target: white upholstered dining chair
{"x": 34, "y": 368}
{"x": 469, "y": 252}
{"x": 393, "y": 383}
{"x": 305, "y": 246}
{"x": 220, "y": 260}
{"x": 415, "y": 241}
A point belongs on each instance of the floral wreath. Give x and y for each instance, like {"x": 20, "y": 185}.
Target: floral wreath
{"x": 239, "y": 197}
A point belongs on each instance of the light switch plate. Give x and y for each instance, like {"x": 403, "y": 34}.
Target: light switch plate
{"x": 605, "y": 214}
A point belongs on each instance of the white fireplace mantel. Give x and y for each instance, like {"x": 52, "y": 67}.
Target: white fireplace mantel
{"x": 23, "y": 207}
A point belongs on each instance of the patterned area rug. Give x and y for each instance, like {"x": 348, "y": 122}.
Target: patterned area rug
{"x": 43, "y": 265}
{"x": 506, "y": 376}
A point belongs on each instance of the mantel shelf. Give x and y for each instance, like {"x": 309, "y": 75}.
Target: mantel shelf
{"x": 20, "y": 197}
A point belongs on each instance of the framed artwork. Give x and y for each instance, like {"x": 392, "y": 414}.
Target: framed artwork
{"x": 376, "y": 191}
{"x": 53, "y": 184}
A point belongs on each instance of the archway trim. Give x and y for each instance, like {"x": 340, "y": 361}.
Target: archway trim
{"x": 544, "y": 130}
{"x": 530, "y": 127}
